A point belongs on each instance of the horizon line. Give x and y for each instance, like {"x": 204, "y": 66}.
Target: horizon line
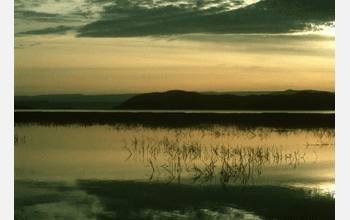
{"x": 131, "y": 93}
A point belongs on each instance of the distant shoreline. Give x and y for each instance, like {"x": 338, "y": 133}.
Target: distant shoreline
{"x": 297, "y": 100}
{"x": 284, "y": 120}
{"x": 180, "y": 111}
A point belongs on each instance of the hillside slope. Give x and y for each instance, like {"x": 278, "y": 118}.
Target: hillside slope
{"x": 181, "y": 100}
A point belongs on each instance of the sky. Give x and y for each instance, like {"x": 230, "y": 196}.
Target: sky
{"x": 132, "y": 46}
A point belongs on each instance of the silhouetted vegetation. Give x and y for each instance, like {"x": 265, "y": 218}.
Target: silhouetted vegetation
{"x": 21, "y": 106}
{"x": 282, "y": 120}
{"x": 171, "y": 157}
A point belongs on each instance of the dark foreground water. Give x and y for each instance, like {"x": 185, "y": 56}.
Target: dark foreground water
{"x": 204, "y": 171}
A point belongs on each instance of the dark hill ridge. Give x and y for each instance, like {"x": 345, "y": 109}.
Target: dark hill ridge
{"x": 194, "y": 100}
{"x": 182, "y": 100}
{"x": 70, "y": 101}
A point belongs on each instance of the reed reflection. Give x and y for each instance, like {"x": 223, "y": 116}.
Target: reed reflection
{"x": 119, "y": 171}
{"x": 172, "y": 157}
{"x": 207, "y": 153}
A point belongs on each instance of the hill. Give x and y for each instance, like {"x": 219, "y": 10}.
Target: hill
{"x": 70, "y": 101}
{"x": 176, "y": 99}
{"x": 182, "y": 100}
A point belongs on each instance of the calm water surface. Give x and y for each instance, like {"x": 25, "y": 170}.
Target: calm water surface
{"x": 202, "y": 172}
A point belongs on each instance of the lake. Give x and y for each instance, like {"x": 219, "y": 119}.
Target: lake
{"x": 197, "y": 171}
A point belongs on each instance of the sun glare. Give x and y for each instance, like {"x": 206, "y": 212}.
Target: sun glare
{"x": 327, "y": 28}
{"x": 327, "y": 189}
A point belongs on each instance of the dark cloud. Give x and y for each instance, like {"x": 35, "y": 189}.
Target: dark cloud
{"x": 33, "y": 14}
{"x": 20, "y": 4}
{"x": 129, "y": 18}
{"x": 53, "y": 30}
{"x": 42, "y": 17}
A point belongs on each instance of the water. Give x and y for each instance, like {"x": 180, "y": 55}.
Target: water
{"x": 130, "y": 171}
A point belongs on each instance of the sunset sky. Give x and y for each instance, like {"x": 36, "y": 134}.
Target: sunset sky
{"x": 131, "y": 46}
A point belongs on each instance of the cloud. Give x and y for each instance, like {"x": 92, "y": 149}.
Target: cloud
{"x": 76, "y": 205}
{"x": 52, "y": 30}
{"x": 21, "y": 4}
{"x": 56, "y": 11}
{"x": 131, "y": 18}
{"x": 55, "y": 201}
{"x": 26, "y": 45}
{"x": 224, "y": 212}
{"x": 38, "y": 16}
{"x": 274, "y": 44}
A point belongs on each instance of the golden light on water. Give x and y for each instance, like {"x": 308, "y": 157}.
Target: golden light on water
{"x": 324, "y": 189}
{"x": 330, "y": 190}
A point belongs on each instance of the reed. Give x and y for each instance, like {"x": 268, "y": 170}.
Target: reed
{"x": 223, "y": 162}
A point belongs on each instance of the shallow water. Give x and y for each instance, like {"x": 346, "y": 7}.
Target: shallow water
{"x": 201, "y": 172}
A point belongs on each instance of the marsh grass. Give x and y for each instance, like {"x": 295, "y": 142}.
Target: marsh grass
{"x": 171, "y": 157}
{"x": 179, "y": 120}
{"x": 198, "y": 150}
{"x": 324, "y": 135}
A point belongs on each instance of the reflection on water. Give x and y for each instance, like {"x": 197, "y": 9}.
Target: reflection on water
{"x": 171, "y": 158}
{"x": 37, "y": 200}
{"x": 130, "y": 171}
